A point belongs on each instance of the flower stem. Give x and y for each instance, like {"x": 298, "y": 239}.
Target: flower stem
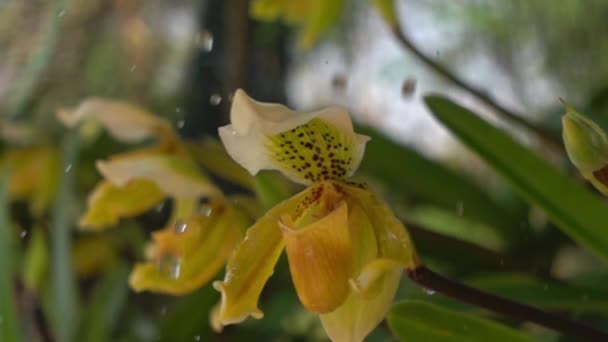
{"x": 450, "y": 288}
{"x": 478, "y": 94}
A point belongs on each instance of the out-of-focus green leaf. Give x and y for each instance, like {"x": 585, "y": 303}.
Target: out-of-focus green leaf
{"x": 550, "y": 295}
{"x": 9, "y": 327}
{"x": 420, "y": 321}
{"x": 35, "y": 260}
{"x": 107, "y": 300}
{"x": 406, "y": 171}
{"x": 188, "y": 318}
{"x": 64, "y": 291}
{"x": 577, "y": 212}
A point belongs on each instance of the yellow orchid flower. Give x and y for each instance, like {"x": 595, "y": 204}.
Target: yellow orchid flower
{"x": 198, "y": 237}
{"x": 587, "y": 147}
{"x": 314, "y": 17}
{"x": 346, "y": 250}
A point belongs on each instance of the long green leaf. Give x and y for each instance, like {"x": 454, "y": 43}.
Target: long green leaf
{"x": 546, "y": 294}
{"x": 577, "y": 212}
{"x": 406, "y": 171}
{"x": 420, "y": 321}
{"x": 9, "y": 328}
{"x": 65, "y": 302}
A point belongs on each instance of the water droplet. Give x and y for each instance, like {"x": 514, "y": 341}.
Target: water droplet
{"x": 429, "y": 292}
{"x": 215, "y": 99}
{"x": 197, "y": 338}
{"x": 178, "y": 109}
{"x": 204, "y": 41}
{"x": 68, "y": 168}
{"x": 133, "y": 67}
{"x": 180, "y": 123}
{"x": 169, "y": 266}
{"x": 61, "y": 13}
{"x": 408, "y": 88}
{"x": 460, "y": 208}
{"x": 180, "y": 226}
{"x": 23, "y": 234}
{"x": 206, "y": 210}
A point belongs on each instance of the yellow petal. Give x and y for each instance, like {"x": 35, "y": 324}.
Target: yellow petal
{"x": 392, "y": 238}
{"x": 322, "y": 17}
{"x": 363, "y": 311}
{"x": 320, "y": 260}
{"x": 108, "y": 203}
{"x": 252, "y": 263}
{"x": 189, "y": 252}
{"x": 123, "y": 121}
{"x": 174, "y": 175}
{"x": 306, "y": 147}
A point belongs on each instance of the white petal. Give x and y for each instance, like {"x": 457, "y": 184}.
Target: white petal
{"x": 259, "y": 132}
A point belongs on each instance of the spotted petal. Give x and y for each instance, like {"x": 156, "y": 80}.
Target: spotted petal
{"x": 251, "y": 264}
{"x": 306, "y": 147}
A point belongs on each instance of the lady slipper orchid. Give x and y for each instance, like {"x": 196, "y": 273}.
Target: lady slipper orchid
{"x": 199, "y": 236}
{"x": 346, "y": 249}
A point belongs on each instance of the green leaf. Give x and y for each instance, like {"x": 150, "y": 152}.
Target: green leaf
{"x": 406, "y": 171}
{"x": 546, "y": 294}
{"x": 575, "y": 211}
{"x": 9, "y": 327}
{"x": 64, "y": 287}
{"x": 420, "y": 321}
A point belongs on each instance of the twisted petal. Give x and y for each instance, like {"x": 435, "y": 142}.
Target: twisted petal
{"x": 251, "y": 264}
{"x": 187, "y": 253}
{"x": 123, "y": 121}
{"x": 174, "y": 175}
{"x": 320, "y": 260}
{"x": 367, "y": 305}
{"x": 108, "y": 203}
{"x": 306, "y": 147}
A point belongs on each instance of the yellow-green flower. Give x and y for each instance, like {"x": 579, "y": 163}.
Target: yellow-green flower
{"x": 346, "y": 249}
{"x": 587, "y": 147}
{"x": 198, "y": 237}
{"x": 313, "y": 17}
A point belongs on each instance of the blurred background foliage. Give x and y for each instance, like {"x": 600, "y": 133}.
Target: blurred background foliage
{"x": 183, "y": 60}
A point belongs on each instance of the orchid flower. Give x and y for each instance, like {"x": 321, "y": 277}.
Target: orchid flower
{"x": 195, "y": 244}
{"x": 346, "y": 249}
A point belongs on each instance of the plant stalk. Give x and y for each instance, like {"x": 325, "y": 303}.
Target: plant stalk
{"x": 453, "y": 289}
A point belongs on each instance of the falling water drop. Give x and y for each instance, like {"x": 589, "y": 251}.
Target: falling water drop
{"x": 68, "y": 168}
{"x": 215, "y": 99}
{"x": 429, "y": 292}
{"x": 204, "y": 41}
{"x": 180, "y": 226}
{"x": 180, "y": 123}
{"x": 61, "y": 13}
{"x": 23, "y": 234}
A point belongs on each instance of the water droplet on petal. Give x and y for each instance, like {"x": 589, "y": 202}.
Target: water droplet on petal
{"x": 206, "y": 210}
{"x": 204, "y": 41}
{"x": 215, "y": 99}
{"x": 170, "y": 266}
{"x": 180, "y": 226}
